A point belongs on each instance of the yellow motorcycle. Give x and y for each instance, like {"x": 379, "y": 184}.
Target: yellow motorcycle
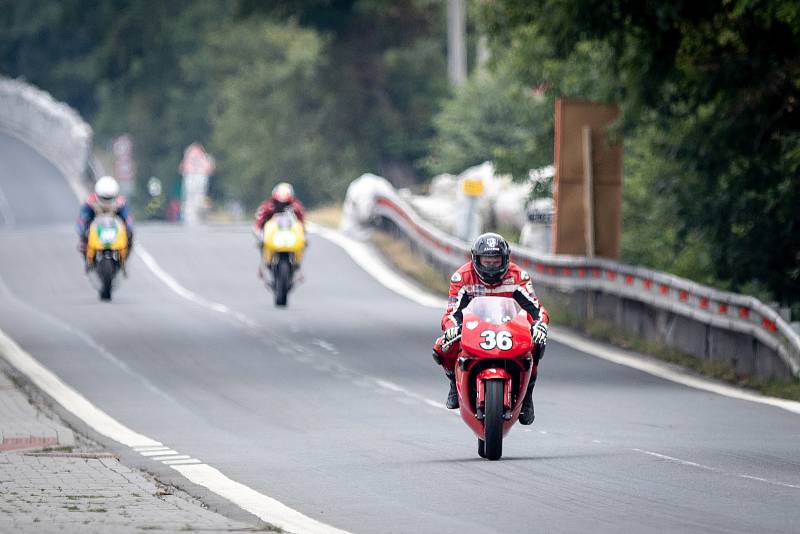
{"x": 106, "y": 251}
{"x": 282, "y": 252}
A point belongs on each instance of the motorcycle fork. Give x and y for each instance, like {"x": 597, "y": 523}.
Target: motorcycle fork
{"x": 480, "y": 387}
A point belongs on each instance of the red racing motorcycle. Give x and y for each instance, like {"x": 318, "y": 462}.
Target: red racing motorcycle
{"x": 493, "y": 369}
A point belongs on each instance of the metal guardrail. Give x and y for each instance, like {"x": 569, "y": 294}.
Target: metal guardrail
{"x": 50, "y": 126}
{"x": 724, "y": 310}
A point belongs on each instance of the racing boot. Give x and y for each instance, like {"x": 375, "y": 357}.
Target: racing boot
{"x": 526, "y": 415}
{"x": 452, "y": 396}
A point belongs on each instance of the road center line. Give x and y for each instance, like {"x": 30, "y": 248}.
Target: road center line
{"x": 696, "y": 465}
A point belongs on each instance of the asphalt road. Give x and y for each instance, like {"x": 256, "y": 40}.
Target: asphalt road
{"x": 323, "y": 405}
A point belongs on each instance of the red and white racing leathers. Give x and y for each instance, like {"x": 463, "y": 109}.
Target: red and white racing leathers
{"x": 269, "y": 207}
{"x": 465, "y": 284}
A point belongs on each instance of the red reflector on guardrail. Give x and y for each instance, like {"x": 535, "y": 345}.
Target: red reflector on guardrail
{"x": 769, "y": 325}
{"x": 647, "y": 284}
{"x": 744, "y": 312}
{"x": 664, "y": 289}
{"x": 629, "y": 280}
{"x": 683, "y": 295}
{"x": 566, "y": 271}
{"x": 704, "y": 303}
{"x": 723, "y": 308}
{"x": 611, "y": 275}
{"x": 582, "y": 273}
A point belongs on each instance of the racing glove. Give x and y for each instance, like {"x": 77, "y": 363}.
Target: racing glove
{"x": 539, "y": 332}
{"x": 451, "y": 333}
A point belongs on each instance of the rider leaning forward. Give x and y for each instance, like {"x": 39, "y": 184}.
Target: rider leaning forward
{"x": 490, "y": 273}
{"x": 282, "y": 199}
{"x": 105, "y": 199}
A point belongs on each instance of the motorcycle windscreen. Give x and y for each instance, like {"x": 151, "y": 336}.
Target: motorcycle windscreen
{"x": 493, "y": 310}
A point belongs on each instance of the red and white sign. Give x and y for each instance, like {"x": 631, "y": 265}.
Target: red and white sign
{"x": 196, "y": 161}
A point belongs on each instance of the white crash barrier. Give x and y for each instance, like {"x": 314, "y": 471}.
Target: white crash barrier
{"x": 697, "y": 319}
{"x": 51, "y": 127}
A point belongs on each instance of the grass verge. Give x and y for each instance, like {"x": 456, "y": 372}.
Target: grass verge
{"x": 405, "y": 259}
{"x": 329, "y": 215}
{"x": 402, "y": 256}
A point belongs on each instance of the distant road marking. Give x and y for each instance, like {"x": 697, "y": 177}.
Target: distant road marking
{"x": 185, "y": 462}
{"x": 173, "y": 457}
{"x": 696, "y": 465}
{"x": 377, "y": 268}
{"x": 662, "y": 371}
{"x": 364, "y": 257}
{"x": 158, "y": 453}
{"x": 70, "y": 399}
{"x": 391, "y": 386}
{"x": 5, "y": 211}
{"x": 263, "y": 506}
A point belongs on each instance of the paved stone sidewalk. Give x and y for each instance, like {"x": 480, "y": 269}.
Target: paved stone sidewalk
{"x": 75, "y": 488}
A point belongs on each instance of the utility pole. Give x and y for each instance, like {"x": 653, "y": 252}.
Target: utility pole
{"x": 456, "y": 47}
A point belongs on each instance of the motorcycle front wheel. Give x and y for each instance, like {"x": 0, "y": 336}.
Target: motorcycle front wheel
{"x": 106, "y": 270}
{"x": 283, "y": 277}
{"x": 493, "y": 421}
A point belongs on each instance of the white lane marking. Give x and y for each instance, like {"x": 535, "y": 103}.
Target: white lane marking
{"x": 321, "y": 343}
{"x": 70, "y": 399}
{"x": 364, "y": 257}
{"x": 184, "y": 461}
{"x": 5, "y": 211}
{"x": 395, "y": 388}
{"x": 159, "y": 448}
{"x": 662, "y": 371}
{"x": 255, "y": 503}
{"x": 181, "y": 291}
{"x": 101, "y": 350}
{"x": 158, "y": 453}
{"x": 378, "y": 269}
{"x": 689, "y": 463}
{"x": 172, "y": 457}
{"x": 261, "y": 505}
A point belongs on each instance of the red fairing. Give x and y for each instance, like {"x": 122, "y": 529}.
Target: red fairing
{"x": 493, "y": 352}
{"x": 475, "y": 339}
{"x": 493, "y": 374}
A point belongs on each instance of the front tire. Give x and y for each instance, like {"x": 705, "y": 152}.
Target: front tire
{"x": 493, "y": 421}
{"x": 481, "y": 448}
{"x": 283, "y": 277}
{"x": 106, "y": 271}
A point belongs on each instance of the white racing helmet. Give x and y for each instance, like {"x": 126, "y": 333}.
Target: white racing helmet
{"x": 107, "y": 189}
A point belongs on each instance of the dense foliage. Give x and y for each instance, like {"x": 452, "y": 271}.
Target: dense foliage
{"x": 710, "y": 93}
{"x": 319, "y": 91}
{"x": 312, "y": 92}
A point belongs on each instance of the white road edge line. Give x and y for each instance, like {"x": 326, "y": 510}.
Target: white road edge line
{"x": 262, "y": 506}
{"x": 70, "y": 399}
{"x": 5, "y": 211}
{"x": 158, "y": 453}
{"x": 714, "y": 469}
{"x": 259, "y": 504}
{"x": 365, "y": 258}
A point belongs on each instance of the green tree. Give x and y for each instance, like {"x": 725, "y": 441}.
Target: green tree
{"x": 709, "y": 93}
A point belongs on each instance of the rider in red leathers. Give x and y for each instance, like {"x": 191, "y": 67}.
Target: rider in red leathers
{"x": 490, "y": 273}
{"x": 282, "y": 199}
